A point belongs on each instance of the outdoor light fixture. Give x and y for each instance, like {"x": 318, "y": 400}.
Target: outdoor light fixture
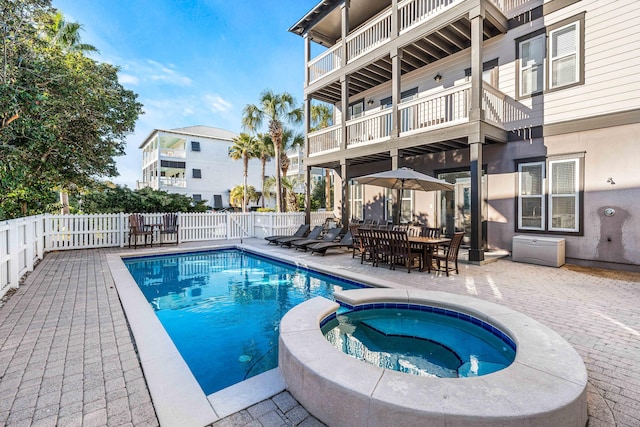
{"x": 370, "y": 102}
{"x": 437, "y": 78}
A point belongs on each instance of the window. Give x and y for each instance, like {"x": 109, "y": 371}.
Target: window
{"x": 489, "y": 72}
{"x": 563, "y": 195}
{"x": 195, "y": 146}
{"x": 356, "y": 109}
{"x": 550, "y": 202}
{"x": 197, "y": 198}
{"x": 196, "y": 173}
{"x": 356, "y": 202}
{"x": 531, "y": 196}
{"x": 563, "y": 56}
{"x": 406, "y": 212}
{"x": 532, "y": 53}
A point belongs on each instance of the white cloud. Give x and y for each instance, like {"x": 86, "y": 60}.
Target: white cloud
{"x": 138, "y": 72}
{"x": 217, "y": 103}
{"x": 128, "y": 79}
{"x": 166, "y": 74}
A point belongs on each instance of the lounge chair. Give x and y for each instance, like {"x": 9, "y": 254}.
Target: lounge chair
{"x": 300, "y": 233}
{"x": 345, "y": 242}
{"x": 314, "y": 234}
{"x": 137, "y": 227}
{"x": 329, "y": 236}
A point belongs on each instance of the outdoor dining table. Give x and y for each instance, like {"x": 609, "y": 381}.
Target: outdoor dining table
{"x": 428, "y": 244}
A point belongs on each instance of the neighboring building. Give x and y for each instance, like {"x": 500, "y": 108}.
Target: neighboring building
{"x": 530, "y": 107}
{"x": 195, "y": 161}
{"x": 296, "y": 171}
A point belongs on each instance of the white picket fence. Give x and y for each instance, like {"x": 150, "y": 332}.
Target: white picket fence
{"x": 24, "y": 241}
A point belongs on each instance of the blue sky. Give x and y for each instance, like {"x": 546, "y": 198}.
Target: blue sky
{"x": 193, "y": 62}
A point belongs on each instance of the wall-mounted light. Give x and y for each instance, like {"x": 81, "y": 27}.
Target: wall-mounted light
{"x": 611, "y": 181}
{"x": 437, "y": 78}
{"x": 370, "y": 102}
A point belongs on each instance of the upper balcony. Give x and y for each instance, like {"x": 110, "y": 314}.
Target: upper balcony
{"x": 428, "y": 30}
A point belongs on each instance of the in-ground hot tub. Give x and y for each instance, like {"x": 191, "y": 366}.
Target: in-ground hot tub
{"x": 544, "y": 386}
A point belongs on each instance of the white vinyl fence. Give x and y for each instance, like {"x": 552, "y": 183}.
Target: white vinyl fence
{"x": 24, "y": 241}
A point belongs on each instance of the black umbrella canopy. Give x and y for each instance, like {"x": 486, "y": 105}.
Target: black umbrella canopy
{"x": 405, "y": 179}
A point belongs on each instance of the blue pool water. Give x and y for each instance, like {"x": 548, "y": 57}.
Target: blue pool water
{"x": 436, "y": 343}
{"x": 222, "y": 309}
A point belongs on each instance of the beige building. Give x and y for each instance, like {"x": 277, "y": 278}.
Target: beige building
{"x": 530, "y": 107}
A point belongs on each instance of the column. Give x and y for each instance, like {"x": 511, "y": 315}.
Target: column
{"x": 307, "y": 125}
{"x": 307, "y": 197}
{"x": 307, "y": 58}
{"x": 476, "y": 251}
{"x": 344, "y": 105}
{"x": 346, "y": 200}
{"x": 344, "y": 10}
{"x": 396, "y": 59}
{"x": 476, "y": 112}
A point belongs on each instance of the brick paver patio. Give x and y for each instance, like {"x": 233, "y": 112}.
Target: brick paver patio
{"x": 67, "y": 357}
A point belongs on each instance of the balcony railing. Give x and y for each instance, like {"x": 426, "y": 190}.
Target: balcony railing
{"x": 501, "y": 109}
{"x": 369, "y": 36}
{"x": 326, "y": 63}
{"x": 173, "y": 182}
{"x": 325, "y": 140}
{"x": 445, "y": 107}
{"x": 414, "y": 12}
{"x": 369, "y": 129}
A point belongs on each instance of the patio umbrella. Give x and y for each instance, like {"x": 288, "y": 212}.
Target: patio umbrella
{"x": 405, "y": 178}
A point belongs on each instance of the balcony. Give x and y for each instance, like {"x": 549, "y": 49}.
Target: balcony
{"x": 427, "y": 112}
{"x": 173, "y": 182}
{"x": 377, "y": 31}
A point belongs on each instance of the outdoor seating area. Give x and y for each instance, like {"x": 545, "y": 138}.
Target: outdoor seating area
{"x": 139, "y": 227}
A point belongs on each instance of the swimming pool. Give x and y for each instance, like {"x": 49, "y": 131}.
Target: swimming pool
{"x": 222, "y": 308}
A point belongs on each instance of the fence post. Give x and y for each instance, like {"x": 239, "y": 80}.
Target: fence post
{"x": 180, "y": 229}
{"x": 228, "y": 221}
{"x": 14, "y": 251}
{"x": 48, "y": 246}
{"x": 40, "y": 223}
{"x": 28, "y": 238}
{"x": 121, "y": 228}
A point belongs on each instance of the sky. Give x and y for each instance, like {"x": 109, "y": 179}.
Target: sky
{"x": 193, "y": 62}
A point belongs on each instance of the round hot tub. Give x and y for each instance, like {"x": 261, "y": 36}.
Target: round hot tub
{"x": 544, "y": 385}
{"x": 420, "y": 340}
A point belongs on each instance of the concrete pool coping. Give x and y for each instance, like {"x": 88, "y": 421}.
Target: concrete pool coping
{"x": 177, "y": 397}
{"x": 545, "y": 386}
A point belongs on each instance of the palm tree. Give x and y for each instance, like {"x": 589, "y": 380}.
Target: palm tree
{"x": 322, "y": 117}
{"x": 245, "y": 148}
{"x": 290, "y": 140}
{"x": 238, "y": 194}
{"x": 265, "y": 153}
{"x": 65, "y": 34}
{"x": 275, "y": 108}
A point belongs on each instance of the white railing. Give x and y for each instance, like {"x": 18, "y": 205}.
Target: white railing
{"x": 24, "y": 241}
{"x": 507, "y": 6}
{"x": 414, "y": 12}
{"x": 324, "y": 64}
{"x": 173, "y": 182}
{"x": 501, "y": 109}
{"x": 369, "y": 36}
{"x": 171, "y": 152}
{"x": 446, "y": 107}
{"x": 369, "y": 129}
{"x": 324, "y": 140}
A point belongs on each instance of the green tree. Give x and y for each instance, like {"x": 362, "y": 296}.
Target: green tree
{"x": 64, "y": 116}
{"x": 290, "y": 140}
{"x": 66, "y": 35}
{"x": 275, "y": 108}
{"x": 265, "y": 152}
{"x": 245, "y": 147}
{"x": 239, "y": 192}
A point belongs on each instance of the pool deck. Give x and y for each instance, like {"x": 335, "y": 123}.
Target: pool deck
{"x": 67, "y": 356}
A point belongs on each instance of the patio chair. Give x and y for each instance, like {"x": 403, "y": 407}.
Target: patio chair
{"x": 169, "y": 226}
{"x": 329, "y": 236}
{"x": 322, "y": 247}
{"x": 300, "y": 233}
{"x": 382, "y": 248}
{"x": 402, "y": 252}
{"x": 314, "y": 234}
{"x": 448, "y": 261}
{"x": 431, "y": 232}
{"x": 368, "y": 242}
{"x": 137, "y": 228}
{"x": 354, "y": 229}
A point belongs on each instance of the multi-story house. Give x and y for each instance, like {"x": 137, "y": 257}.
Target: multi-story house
{"x": 530, "y": 107}
{"x": 194, "y": 161}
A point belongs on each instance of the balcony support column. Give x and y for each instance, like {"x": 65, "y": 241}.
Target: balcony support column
{"x": 476, "y": 112}
{"x": 344, "y": 10}
{"x": 395, "y": 24}
{"x": 346, "y": 202}
{"x": 396, "y": 63}
{"x": 344, "y": 98}
{"x": 307, "y": 195}
{"x": 307, "y": 58}
{"x": 397, "y": 194}
{"x": 476, "y": 251}
{"x": 307, "y": 124}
